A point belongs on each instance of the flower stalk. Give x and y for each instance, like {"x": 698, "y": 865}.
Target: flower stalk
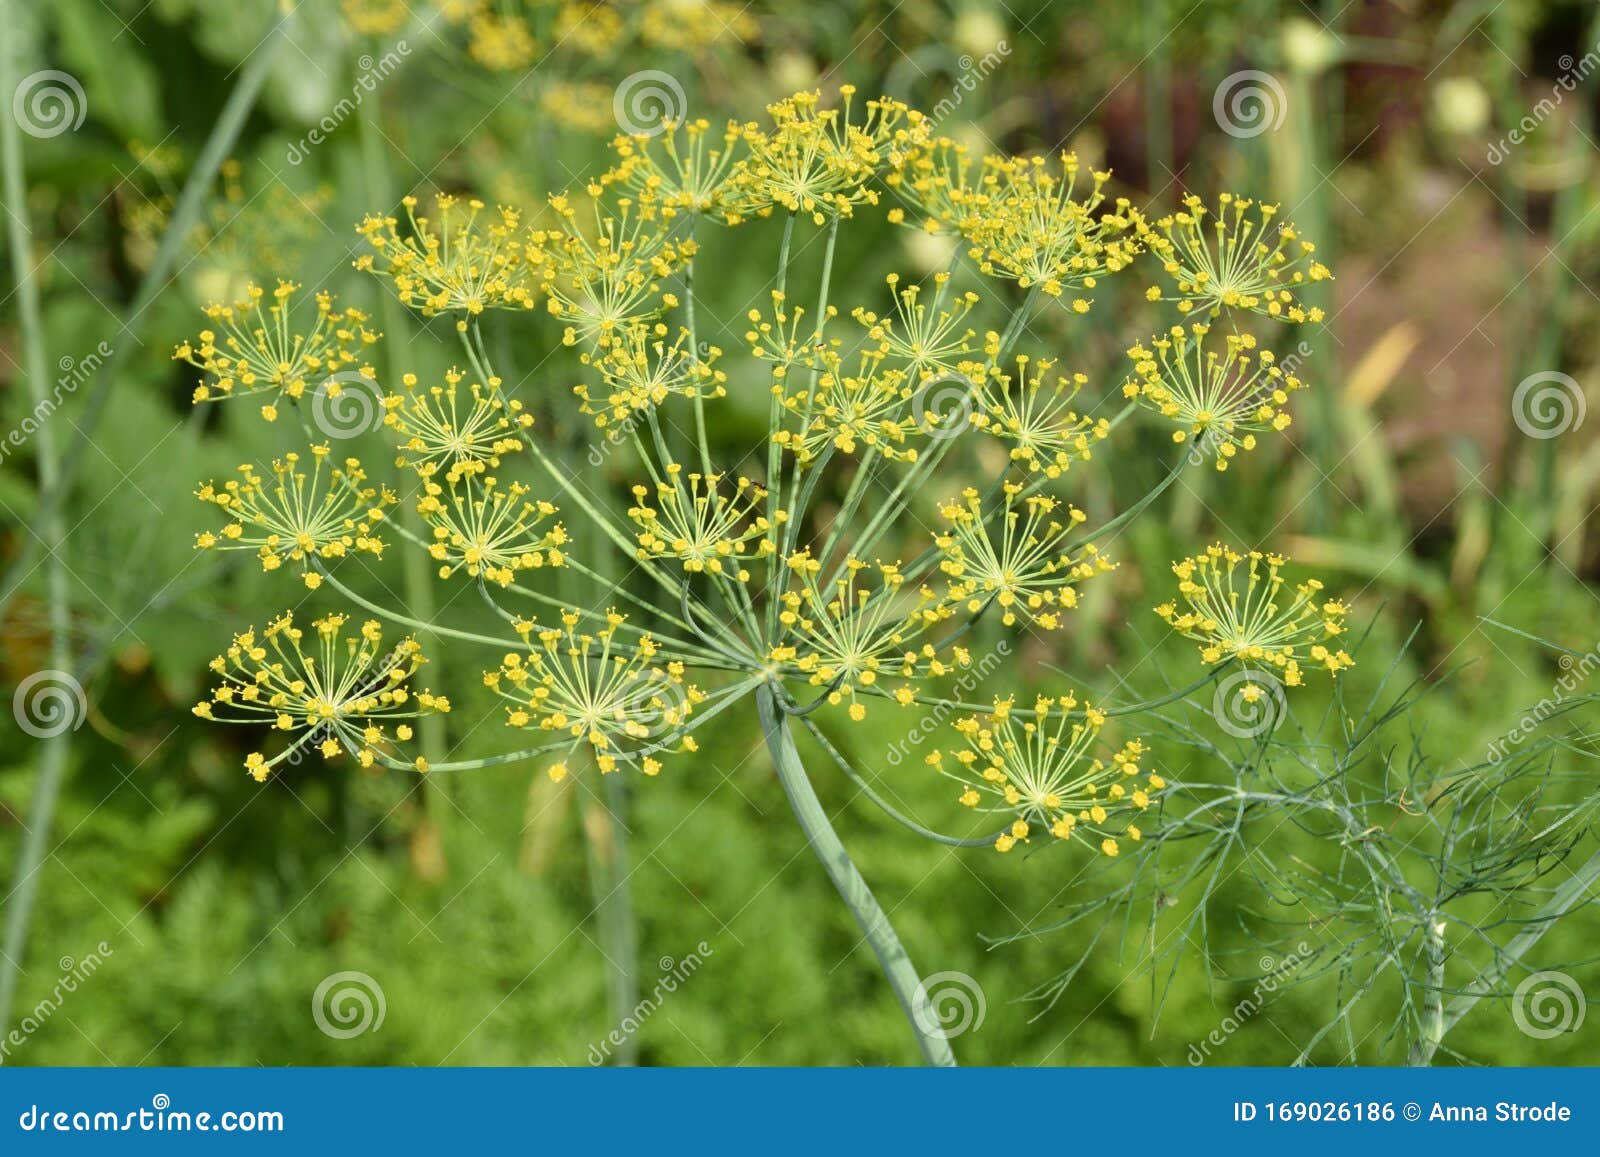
{"x": 847, "y": 879}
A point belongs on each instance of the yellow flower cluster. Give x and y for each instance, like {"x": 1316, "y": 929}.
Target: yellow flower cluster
{"x": 1036, "y": 418}
{"x": 507, "y": 35}
{"x": 260, "y": 351}
{"x": 1024, "y": 562}
{"x": 489, "y": 530}
{"x": 1236, "y": 260}
{"x": 677, "y": 171}
{"x": 1221, "y": 398}
{"x": 606, "y": 282}
{"x": 499, "y": 42}
{"x": 1041, "y": 769}
{"x": 454, "y": 263}
{"x": 334, "y": 694}
{"x": 641, "y": 369}
{"x": 927, "y": 342}
{"x": 693, "y": 520}
{"x": 815, "y": 161}
{"x": 436, "y": 427}
{"x": 848, "y": 632}
{"x": 776, "y": 569}
{"x": 688, "y": 25}
{"x": 1023, "y": 217}
{"x": 860, "y": 403}
{"x": 1236, "y": 606}
{"x": 297, "y": 517}
{"x": 584, "y": 106}
{"x": 604, "y": 689}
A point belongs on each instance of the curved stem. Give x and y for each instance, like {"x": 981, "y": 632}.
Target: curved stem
{"x": 1133, "y": 511}
{"x": 395, "y": 616}
{"x": 889, "y": 809}
{"x": 847, "y": 879}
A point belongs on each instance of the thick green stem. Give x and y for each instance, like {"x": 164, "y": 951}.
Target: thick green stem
{"x": 1427, "y": 1042}
{"x": 607, "y": 844}
{"x": 847, "y": 879}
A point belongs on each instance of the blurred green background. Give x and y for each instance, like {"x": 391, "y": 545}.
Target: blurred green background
{"x": 1466, "y": 262}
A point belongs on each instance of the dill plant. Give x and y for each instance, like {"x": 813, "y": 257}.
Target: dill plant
{"x": 780, "y": 584}
{"x": 1405, "y": 880}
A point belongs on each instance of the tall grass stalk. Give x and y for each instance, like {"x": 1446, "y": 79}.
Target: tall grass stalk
{"x": 56, "y": 747}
